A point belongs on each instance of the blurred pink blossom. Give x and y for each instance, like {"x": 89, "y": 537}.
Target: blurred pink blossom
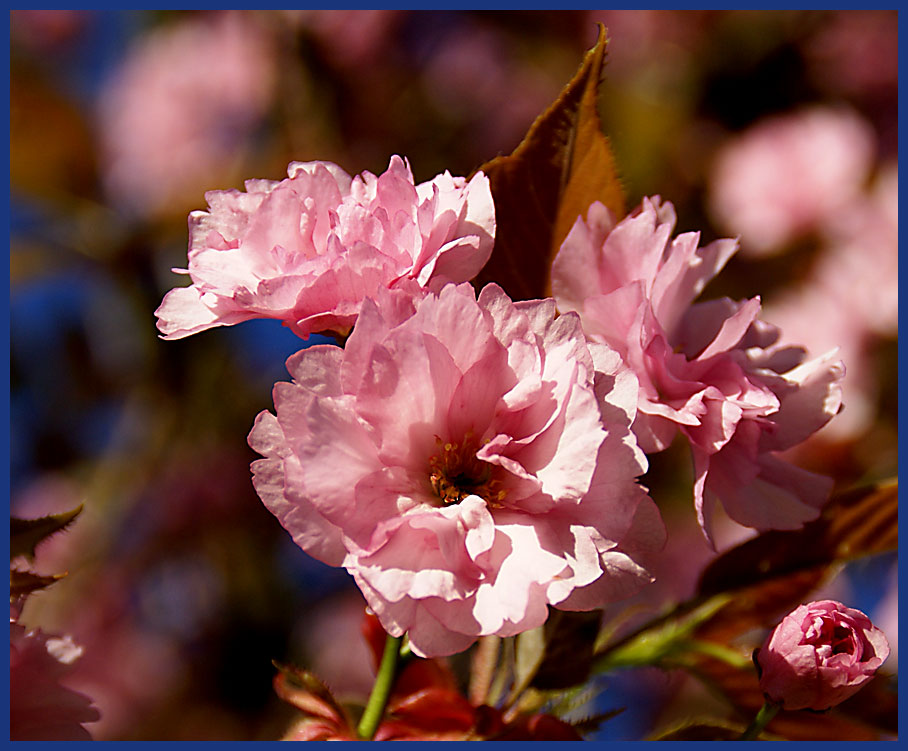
{"x": 861, "y": 266}
{"x": 351, "y": 38}
{"x": 180, "y": 107}
{"x": 819, "y": 655}
{"x": 308, "y": 249}
{"x": 850, "y": 297}
{"x": 710, "y": 370}
{"x": 466, "y": 462}
{"x": 788, "y": 174}
{"x": 41, "y": 707}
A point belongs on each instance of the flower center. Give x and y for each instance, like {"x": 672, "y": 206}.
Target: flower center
{"x": 455, "y": 473}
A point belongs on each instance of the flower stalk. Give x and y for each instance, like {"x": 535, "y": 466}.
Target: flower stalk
{"x": 766, "y": 713}
{"x": 381, "y": 689}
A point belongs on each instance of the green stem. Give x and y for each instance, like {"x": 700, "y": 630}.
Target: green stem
{"x": 766, "y": 713}
{"x": 381, "y": 690}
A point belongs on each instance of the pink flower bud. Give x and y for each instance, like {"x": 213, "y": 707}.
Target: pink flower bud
{"x": 819, "y": 655}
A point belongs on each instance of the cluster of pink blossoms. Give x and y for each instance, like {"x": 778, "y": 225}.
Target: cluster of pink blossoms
{"x": 471, "y": 460}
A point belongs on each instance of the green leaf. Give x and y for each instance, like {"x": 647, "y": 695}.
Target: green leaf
{"x": 773, "y": 573}
{"x": 26, "y": 534}
{"x": 22, "y": 583}
{"x": 563, "y": 164}
{"x": 530, "y": 651}
{"x": 307, "y": 692}
{"x": 665, "y": 638}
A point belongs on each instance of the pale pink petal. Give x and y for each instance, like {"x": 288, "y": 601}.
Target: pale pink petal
{"x": 580, "y": 250}
{"x": 812, "y": 397}
{"x": 311, "y": 531}
{"x": 182, "y": 313}
{"x": 686, "y": 271}
{"x": 773, "y": 494}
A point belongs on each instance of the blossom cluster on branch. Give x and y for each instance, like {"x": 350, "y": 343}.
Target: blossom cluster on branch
{"x": 473, "y": 460}
{"x": 573, "y": 394}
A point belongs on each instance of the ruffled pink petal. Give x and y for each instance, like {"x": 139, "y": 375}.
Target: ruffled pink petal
{"x": 812, "y": 397}
{"x": 773, "y": 494}
{"x": 182, "y": 313}
{"x": 309, "y": 529}
{"x": 686, "y": 271}
{"x": 634, "y": 249}
{"x": 580, "y": 250}
{"x": 516, "y": 595}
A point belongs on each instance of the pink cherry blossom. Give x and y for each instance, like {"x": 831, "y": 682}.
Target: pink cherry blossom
{"x": 711, "y": 371}
{"x": 41, "y": 707}
{"x": 469, "y": 461}
{"x": 850, "y": 297}
{"x": 788, "y": 173}
{"x": 181, "y": 107}
{"x": 308, "y": 249}
{"x": 819, "y": 655}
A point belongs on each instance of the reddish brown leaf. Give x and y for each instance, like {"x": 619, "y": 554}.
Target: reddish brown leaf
{"x": 22, "y": 583}
{"x": 774, "y": 572}
{"x": 26, "y": 534}
{"x": 432, "y": 710}
{"x": 569, "y": 640}
{"x": 877, "y": 704}
{"x": 305, "y": 691}
{"x": 562, "y": 166}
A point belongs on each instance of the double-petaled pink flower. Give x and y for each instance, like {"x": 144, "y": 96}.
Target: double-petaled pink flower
{"x": 308, "y": 249}
{"x": 819, "y": 655}
{"x": 469, "y": 461}
{"x": 709, "y": 370}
